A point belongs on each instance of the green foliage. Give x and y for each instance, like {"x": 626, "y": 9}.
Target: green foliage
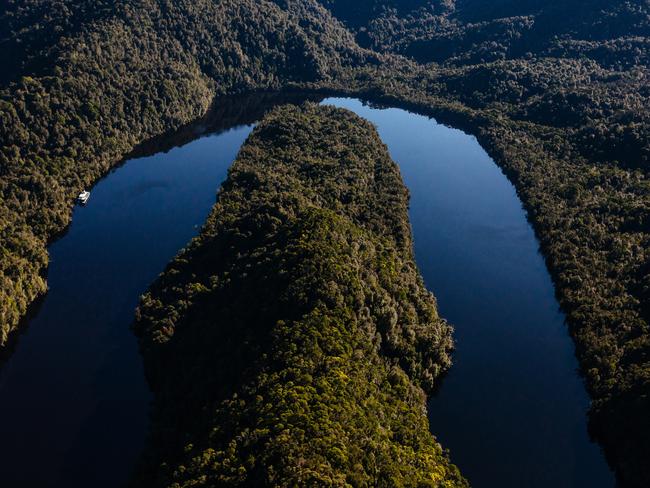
{"x": 286, "y": 342}
{"x": 469, "y": 32}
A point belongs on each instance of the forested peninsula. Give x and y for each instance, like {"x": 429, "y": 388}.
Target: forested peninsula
{"x": 556, "y": 91}
{"x": 321, "y": 382}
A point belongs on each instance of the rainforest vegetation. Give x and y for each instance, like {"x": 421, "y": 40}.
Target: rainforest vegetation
{"x": 556, "y": 91}
{"x": 321, "y": 382}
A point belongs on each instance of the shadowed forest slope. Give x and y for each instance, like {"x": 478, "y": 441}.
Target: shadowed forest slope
{"x": 461, "y": 32}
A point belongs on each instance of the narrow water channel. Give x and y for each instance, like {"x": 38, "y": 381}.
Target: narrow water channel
{"x": 513, "y": 409}
{"x": 73, "y": 399}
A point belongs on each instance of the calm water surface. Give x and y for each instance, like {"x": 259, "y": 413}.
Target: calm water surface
{"x": 73, "y": 399}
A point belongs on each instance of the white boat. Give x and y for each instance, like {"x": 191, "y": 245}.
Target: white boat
{"x": 83, "y": 197}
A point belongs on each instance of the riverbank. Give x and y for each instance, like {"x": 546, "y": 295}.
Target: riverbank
{"x": 73, "y": 392}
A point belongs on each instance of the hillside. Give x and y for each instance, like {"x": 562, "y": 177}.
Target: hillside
{"x": 319, "y": 383}
{"x": 462, "y": 32}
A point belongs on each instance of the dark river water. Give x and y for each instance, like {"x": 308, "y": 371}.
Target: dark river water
{"x": 73, "y": 398}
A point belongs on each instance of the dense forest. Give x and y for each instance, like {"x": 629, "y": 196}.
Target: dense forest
{"x": 556, "y": 91}
{"x": 319, "y": 384}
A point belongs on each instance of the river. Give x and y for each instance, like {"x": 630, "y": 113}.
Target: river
{"x": 73, "y": 397}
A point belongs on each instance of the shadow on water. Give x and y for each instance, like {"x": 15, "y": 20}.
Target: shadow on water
{"x": 10, "y": 346}
{"x": 225, "y": 113}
